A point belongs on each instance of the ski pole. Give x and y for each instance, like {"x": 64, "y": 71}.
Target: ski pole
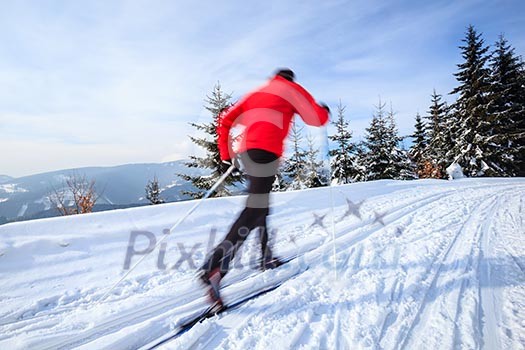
{"x": 327, "y": 158}
{"x": 195, "y": 206}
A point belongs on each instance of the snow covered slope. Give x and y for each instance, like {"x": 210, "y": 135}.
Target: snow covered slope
{"x": 424, "y": 264}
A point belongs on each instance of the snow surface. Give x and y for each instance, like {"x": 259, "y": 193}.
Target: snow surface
{"x": 424, "y": 264}
{"x": 11, "y": 188}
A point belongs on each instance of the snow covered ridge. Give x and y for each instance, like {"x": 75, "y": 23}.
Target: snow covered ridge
{"x": 424, "y": 264}
{"x": 28, "y": 197}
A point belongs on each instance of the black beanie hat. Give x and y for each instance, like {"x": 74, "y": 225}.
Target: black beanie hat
{"x": 286, "y": 73}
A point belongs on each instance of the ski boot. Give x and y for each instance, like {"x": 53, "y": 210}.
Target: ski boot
{"x": 212, "y": 280}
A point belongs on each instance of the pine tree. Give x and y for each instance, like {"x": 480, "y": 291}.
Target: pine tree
{"x": 361, "y": 162}
{"x": 377, "y": 157}
{"x": 153, "y": 191}
{"x": 294, "y": 169}
{"x": 343, "y": 156}
{"x": 507, "y": 111}
{"x": 217, "y": 102}
{"x": 314, "y": 176}
{"x": 419, "y": 146}
{"x": 439, "y": 137}
{"x": 471, "y": 124}
{"x": 383, "y": 159}
{"x": 400, "y": 162}
{"x": 280, "y": 184}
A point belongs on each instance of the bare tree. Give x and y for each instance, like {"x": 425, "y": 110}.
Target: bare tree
{"x": 77, "y": 195}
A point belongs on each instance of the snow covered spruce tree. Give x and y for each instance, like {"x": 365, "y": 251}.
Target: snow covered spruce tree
{"x": 361, "y": 162}
{"x": 401, "y": 163}
{"x": 153, "y": 191}
{"x": 215, "y": 103}
{"x": 377, "y": 155}
{"x": 294, "y": 169}
{"x": 471, "y": 123}
{"x": 507, "y": 111}
{"x": 342, "y": 157}
{"x": 419, "y": 147}
{"x": 383, "y": 159}
{"x": 439, "y": 138}
{"x": 314, "y": 175}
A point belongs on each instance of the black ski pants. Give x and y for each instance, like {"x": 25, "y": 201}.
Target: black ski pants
{"x": 255, "y": 162}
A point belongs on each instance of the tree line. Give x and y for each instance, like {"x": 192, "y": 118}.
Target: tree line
{"x": 482, "y": 132}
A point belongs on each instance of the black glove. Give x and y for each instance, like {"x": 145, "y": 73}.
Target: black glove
{"x": 322, "y": 104}
{"x": 226, "y": 164}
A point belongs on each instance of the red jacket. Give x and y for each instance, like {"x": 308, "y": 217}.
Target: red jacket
{"x": 265, "y": 116}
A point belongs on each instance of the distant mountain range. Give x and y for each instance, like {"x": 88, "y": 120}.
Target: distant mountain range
{"x": 5, "y": 178}
{"x": 121, "y": 186}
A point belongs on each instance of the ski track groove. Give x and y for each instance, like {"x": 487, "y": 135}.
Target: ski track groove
{"x": 337, "y": 334}
{"x": 60, "y": 310}
{"x": 135, "y": 314}
{"x": 481, "y": 232}
{"x": 139, "y": 315}
{"x": 197, "y": 342}
{"x": 390, "y": 316}
{"x": 459, "y": 309}
{"x": 508, "y": 247}
{"x": 422, "y": 305}
{"x": 486, "y": 296}
{"x": 456, "y": 333}
{"x": 398, "y": 285}
{"x": 74, "y": 308}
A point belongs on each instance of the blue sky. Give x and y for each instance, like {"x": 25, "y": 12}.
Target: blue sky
{"x": 87, "y": 83}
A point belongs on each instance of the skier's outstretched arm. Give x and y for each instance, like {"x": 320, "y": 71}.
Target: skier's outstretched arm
{"x": 311, "y": 112}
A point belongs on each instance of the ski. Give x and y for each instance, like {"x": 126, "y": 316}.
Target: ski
{"x": 179, "y": 330}
{"x": 238, "y": 279}
{"x": 215, "y": 309}
{"x": 218, "y": 308}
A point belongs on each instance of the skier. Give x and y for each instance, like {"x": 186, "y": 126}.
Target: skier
{"x": 265, "y": 115}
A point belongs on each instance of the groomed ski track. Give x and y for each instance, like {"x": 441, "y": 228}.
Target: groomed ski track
{"x": 429, "y": 265}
